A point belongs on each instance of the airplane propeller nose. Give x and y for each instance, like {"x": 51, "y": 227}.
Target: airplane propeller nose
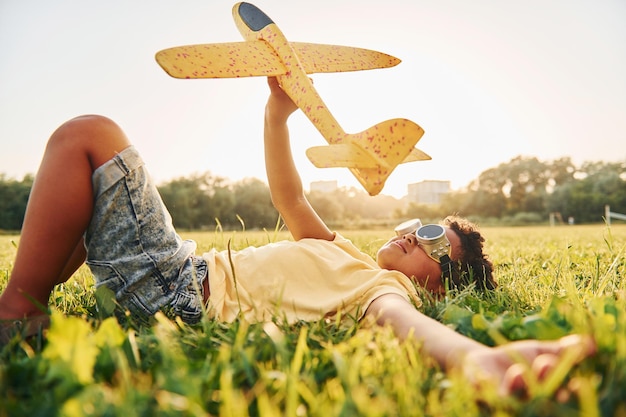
{"x": 252, "y": 16}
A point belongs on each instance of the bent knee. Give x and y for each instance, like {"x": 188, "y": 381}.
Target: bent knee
{"x": 86, "y": 126}
{"x": 90, "y": 119}
{"x": 98, "y": 137}
{"x": 90, "y": 129}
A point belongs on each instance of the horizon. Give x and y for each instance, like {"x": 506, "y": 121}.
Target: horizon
{"x": 339, "y": 186}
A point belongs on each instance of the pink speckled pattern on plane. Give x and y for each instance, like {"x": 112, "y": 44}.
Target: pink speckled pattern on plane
{"x": 370, "y": 155}
{"x": 221, "y": 60}
{"x": 258, "y": 59}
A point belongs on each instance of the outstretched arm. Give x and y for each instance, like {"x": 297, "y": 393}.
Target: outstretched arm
{"x": 284, "y": 181}
{"x": 506, "y": 366}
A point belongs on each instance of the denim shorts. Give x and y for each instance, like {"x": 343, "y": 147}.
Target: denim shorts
{"x": 132, "y": 247}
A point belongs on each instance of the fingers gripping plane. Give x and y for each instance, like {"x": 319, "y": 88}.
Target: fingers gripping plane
{"x": 371, "y": 155}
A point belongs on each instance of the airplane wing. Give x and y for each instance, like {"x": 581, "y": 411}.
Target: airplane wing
{"x": 349, "y": 155}
{"x": 317, "y": 58}
{"x": 343, "y": 155}
{"x": 257, "y": 58}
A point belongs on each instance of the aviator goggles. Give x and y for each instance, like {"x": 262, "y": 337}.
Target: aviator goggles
{"x": 432, "y": 238}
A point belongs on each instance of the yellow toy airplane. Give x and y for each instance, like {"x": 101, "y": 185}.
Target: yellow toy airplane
{"x": 370, "y": 155}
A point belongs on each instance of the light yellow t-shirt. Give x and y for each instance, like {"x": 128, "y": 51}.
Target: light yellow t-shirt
{"x": 305, "y": 280}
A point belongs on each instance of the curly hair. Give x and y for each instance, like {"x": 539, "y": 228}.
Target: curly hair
{"x": 473, "y": 265}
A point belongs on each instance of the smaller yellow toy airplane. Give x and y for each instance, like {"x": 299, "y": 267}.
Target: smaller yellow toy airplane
{"x": 370, "y": 155}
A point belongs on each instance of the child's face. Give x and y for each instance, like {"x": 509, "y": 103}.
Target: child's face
{"x": 404, "y": 254}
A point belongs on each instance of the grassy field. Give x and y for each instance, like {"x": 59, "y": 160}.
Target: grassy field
{"x": 553, "y": 282}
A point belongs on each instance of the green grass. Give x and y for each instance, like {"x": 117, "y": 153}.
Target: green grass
{"x": 553, "y": 282}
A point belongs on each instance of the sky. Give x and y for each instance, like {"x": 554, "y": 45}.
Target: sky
{"x": 488, "y": 80}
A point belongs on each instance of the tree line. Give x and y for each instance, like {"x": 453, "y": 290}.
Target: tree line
{"x": 527, "y": 190}
{"x": 522, "y": 191}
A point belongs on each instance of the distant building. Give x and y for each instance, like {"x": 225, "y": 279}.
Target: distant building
{"x": 324, "y": 186}
{"x": 428, "y": 192}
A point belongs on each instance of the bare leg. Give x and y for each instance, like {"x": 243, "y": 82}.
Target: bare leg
{"x": 58, "y": 212}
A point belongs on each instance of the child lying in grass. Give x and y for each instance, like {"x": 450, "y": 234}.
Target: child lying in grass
{"x": 93, "y": 201}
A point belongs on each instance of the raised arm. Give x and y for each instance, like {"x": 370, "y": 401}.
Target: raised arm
{"x": 284, "y": 181}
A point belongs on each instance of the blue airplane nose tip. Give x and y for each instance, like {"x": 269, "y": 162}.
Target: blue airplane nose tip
{"x": 253, "y": 17}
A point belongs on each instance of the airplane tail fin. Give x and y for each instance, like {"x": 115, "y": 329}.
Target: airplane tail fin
{"x": 341, "y": 155}
{"x": 373, "y": 154}
{"x": 416, "y": 155}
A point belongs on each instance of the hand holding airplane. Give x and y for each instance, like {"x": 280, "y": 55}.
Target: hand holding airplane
{"x": 370, "y": 155}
